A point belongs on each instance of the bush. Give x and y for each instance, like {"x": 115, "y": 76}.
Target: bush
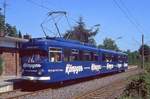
{"x": 1, "y": 65}
{"x": 139, "y": 87}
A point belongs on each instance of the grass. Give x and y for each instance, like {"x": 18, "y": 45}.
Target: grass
{"x": 139, "y": 87}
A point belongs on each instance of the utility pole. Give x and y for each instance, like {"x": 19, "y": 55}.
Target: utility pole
{"x": 143, "y": 51}
{"x": 4, "y": 13}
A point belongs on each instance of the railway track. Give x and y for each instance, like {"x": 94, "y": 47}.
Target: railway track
{"x": 22, "y": 95}
{"x": 50, "y": 93}
{"x": 8, "y": 94}
{"x": 106, "y": 92}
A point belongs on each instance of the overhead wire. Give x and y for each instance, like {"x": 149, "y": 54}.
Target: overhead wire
{"x": 39, "y": 5}
{"x": 128, "y": 17}
{"x": 135, "y": 20}
{"x": 69, "y": 26}
{"x": 53, "y": 18}
{"x": 131, "y": 15}
{"x": 44, "y": 7}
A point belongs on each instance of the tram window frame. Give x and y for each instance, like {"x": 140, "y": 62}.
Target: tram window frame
{"x": 58, "y": 52}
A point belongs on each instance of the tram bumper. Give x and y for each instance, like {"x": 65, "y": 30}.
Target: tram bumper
{"x": 35, "y": 78}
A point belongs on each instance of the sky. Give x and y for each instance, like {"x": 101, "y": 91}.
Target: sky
{"x": 114, "y": 22}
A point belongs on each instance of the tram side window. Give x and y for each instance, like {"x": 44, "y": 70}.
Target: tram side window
{"x": 120, "y": 59}
{"x": 67, "y": 55}
{"x": 103, "y": 57}
{"x": 71, "y": 55}
{"x": 75, "y": 55}
{"x": 95, "y": 56}
{"x": 81, "y": 58}
{"x": 115, "y": 58}
{"x": 55, "y": 54}
{"x": 87, "y": 56}
{"x": 107, "y": 57}
{"x": 124, "y": 58}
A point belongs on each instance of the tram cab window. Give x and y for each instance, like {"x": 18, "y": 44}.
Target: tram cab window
{"x": 55, "y": 54}
{"x": 33, "y": 55}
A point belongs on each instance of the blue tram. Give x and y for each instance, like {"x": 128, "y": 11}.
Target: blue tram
{"x": 56, "y": 60}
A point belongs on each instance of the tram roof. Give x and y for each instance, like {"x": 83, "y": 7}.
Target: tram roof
{"x": 60, "y": 42}
{"x": 111, "y": 51}
{"x": 70, "y": 43}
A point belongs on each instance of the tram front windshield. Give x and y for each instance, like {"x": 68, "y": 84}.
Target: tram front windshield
{"x": 33, "y": 56}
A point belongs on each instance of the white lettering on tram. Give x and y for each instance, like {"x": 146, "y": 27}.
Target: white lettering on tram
{"x": 55, "y": 70}
{"x": 31, "y": 65}
{"x": 109, "y": 66}
{"x": 87, "y": 68}
{"x": 95, "y": 67}
{"x": 74, "y": 69}
{"x": 119, "y": 65}
{"x": 125, "y": 64}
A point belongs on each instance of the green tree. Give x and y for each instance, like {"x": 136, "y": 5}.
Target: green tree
{"x": 1, "y": 22}
{"x": 81, "y": 33}
{"x": 133, "y": 57}
{"x": 110, "y": 44}
{"x": 146, "y": 49}
{"x": 9, "y": 29}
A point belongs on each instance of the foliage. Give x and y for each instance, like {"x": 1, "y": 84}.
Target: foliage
{"x": 10, "y": 30}
{"x": 146, "y": 49}
{"x": 139, "y": 87}
{"x": 1, "y": 65}
{"x": 1, "y": 22}
{"x": 133, "y": 57}
{"x": 81, "y": 33}
{"x": 110, "y": 44}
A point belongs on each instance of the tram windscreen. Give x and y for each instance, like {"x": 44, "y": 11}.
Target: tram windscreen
{"x": 33, "y": 56}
